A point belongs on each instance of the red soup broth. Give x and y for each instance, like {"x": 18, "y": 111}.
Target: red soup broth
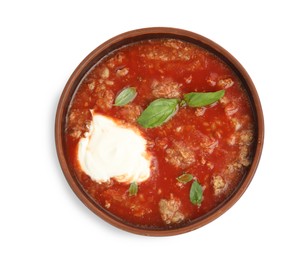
{"x": 213, "y": 143}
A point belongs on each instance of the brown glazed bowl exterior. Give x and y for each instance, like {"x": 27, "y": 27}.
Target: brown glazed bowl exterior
{"x": 135, "y": 36}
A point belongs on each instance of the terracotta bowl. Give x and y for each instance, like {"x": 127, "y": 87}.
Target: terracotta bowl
{"x": 135, "y": 36}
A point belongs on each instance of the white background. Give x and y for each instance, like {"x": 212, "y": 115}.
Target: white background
{"x": 41, "y": 44}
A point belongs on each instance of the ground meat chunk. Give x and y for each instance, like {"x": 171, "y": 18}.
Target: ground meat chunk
{"x": 208, "y": 144}
{"x": 236, "y": 123}
{"x": 130, "y": 112}
{"x": 122, "y": 72}
{"x": 104, "y": 73}
{"x": 105, "y": 100}
{"x": 243, "y": 160}
{"x": 91, "y": 85}
{"x": 180, "y": 155}
{"x": 114, "y": 195}
{"x": 79, "y": 122}
{"x": 188, "y": 79}
{"x": 166, "y": 89}
{"x": 200, "y": 111}
{"x": 169, "y": 210}
{"x": 225, "y": 83}
{"x": 244, "y": 156}
{"x": 219, "y": 185}
{"x": 109, "y": 82}
{"x": 136, "y": 206}
{"x": 116, "y": 61}
{"x": 246, "y": 137}
{"x": 161, "y": 142}
{"x": 174, "y": 51}
{"x": 212, "y": 79}
{"x": 231, "y": 109}
{"x": 139, "y": 211}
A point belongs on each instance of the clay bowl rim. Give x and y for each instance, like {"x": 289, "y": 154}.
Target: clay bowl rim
{"x": 128, "y": 38}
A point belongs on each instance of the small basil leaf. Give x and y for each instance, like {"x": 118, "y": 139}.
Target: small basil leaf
{"x": 126, "y": 96}
{"x": 158, "y": 112}
{"x": 196, "y": 193}
{"x": 133, "y": 189}
{"x": 200, "y": 99}
{"x": 185, "y": 178}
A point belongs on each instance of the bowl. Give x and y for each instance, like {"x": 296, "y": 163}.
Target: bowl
{"x": 186, "y": 180}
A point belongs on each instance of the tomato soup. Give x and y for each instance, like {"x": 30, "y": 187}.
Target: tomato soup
{"x": 159, "y": 133}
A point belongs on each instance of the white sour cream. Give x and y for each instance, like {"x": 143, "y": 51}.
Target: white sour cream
{"x": 112, "y": 151}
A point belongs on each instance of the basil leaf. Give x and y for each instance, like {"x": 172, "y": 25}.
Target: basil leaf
{"x": 185, "y": 178}
{"x": 200, "y": 99}
{"x": 196, "y": 193}
{"x": 158, "y": 112}
{"x": 126, "y": 96}
{"x": 133, "y": 189}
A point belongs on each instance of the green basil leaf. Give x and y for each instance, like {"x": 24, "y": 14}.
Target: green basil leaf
{"x": 158, "y": 112}
{"x": 196, "y": 193}
{"x": 133, "y": 189}
{"x": 126, "y": 96}
{"x": 200, "y": 99}
{"x": 185, "y": 178}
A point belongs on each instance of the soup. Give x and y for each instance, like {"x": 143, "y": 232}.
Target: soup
{"x": 159, "y": 133}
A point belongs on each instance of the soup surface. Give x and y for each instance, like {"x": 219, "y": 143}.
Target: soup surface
{"x": 144, "y": 149}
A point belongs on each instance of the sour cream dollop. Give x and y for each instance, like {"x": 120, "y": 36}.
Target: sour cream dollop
{"x": 110, "y": 150}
